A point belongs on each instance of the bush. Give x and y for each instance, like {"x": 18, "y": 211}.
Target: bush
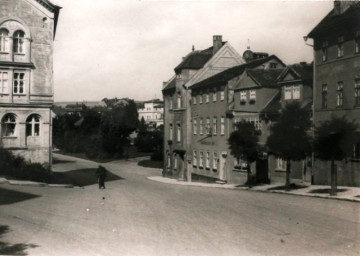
{"x": 17, "y": 167}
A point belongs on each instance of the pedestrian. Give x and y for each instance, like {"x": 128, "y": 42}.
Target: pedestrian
{"x": 101, "y": 174}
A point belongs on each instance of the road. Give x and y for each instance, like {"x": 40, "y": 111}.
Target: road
{"x": 136, "y": 216}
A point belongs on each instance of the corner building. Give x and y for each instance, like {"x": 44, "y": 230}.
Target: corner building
{"x": 27, "y": 30}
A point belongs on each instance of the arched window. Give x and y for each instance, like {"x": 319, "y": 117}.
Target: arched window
{"x": 8, "y": 125}
{"x": 33, "y": 125}
{"x": 4, "y": 40}
{"x": 18, "y": 42}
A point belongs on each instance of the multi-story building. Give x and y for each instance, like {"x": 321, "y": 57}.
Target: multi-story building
{"x": 217, "y": 104}
{"x": 195, "y": 67}
{"x": 296, "y": 84}
{"x": 337, "y": 81}
{"x": 27, "y": 30}
{"x": 152, "y": 111}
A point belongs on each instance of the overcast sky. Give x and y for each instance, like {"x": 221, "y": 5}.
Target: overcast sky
{"x": 113, "y": 48}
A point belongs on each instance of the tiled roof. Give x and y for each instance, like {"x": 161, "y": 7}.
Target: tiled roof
{"x": 266, "y": 78}
{"x": 302, "y": 71}
{"x": 224, "y": 76}
{"x": 348, "y": 19}
{"x": 273, "y": 106}
{"x": 196, "y": 59}
{"x": 170, "y": 85}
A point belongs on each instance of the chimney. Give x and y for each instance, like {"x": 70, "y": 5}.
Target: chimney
{"x": 217, "y": 43}
{"x": 341, "y": 6}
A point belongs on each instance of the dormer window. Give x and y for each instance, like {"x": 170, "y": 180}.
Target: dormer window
{"x": 4, "y": 40}
{"x": 273, "y": 65}
{"x": 18, "y": 42}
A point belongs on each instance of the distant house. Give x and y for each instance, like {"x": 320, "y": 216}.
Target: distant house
{"x": 152, "y": 111}
{"x": 337, "y": 81}
{"x": 27, "y": 31}
{"x": 73, "y": 107}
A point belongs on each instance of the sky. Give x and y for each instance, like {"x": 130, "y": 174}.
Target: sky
{"x": 115, "y": 48}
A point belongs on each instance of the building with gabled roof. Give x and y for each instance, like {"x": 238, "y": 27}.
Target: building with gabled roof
{"x": 195, "y": 67}
{"x": 27, "y": 31}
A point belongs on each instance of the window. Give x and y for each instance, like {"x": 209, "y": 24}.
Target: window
{"x": 340, "y": 46}
{"x": 201, "y": 126}
{"x": 222, "y": 125}
{"x": 357, "y": 92}
{"x": 280, "y": 164}
{"x": 215, "y": 161}
{"x": 4, "y": 82}
{"x": 207, "y": 97}
{"x": 18, "y": 42}
{"x": 222, "y": 95}
{"x": 195, "y": 126}
{"x": 8, "y": 125}
{"x": 168, "y": 160}
{"x": 33, "y": 125}
{"x": 194, "y": 100}
{"x": 208, "y": 127}
{"x": 207, "y": 162}
{"x": 179, "y": 101}
{"x": 256, "y": 122}
{"x": 200, "y": 99}
{"x": 273, "y": 65}
{"x": 240, "y": 164}
{"x": 178, "y": 76}
{"x": 356, "y": 152}
{"x": 324, "y": 51}
{"x": 171, "y": 103}
{"x": 214, "y": 96}
{"x": 175, "y": 163}
{"x": 324, "y": 96}
{"x": 214, "y": 131}
{"x": 252, "y": 96}
{"x": 178, "y": 133}
{"x": 242, "y": 96}
{"x": 4, "y": 40}
{"x": 339, "y": 94}
{"x": 171, "y": 133}
{"x": 357, "y": 45}
{"x": 19, "y": 82}
{"x": 201, "y": 163}
{"x": 194, "y": 158}
{"x": 292, "y": 92}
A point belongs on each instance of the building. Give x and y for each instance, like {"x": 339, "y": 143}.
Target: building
{"x": 196, "y": 66}
{"x": 217, "y": 104}
{"x": 337, "y": 81}
{"x": 152, "y": 111}
{"x": 296, "y": 84}
{"x": 27, "y": 31}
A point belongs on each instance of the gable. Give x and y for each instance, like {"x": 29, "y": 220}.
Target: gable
{"x": 246, "y": 81}
{"x": 225, "y": 58}
{"x": 289, "y": 77}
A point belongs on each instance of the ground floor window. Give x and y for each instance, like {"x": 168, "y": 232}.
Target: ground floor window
{"x": 356, "y": 152}
{"x": 240, "y": 164}
{"x": 207, "y": 160}
{"x": 194, "y": 158}
{"x": 8, "y": 125}
{"x": 280, "y": 164}
{"x": 33, "y": 125}
{"x": 175, "y": 162}
{"x": 215, "y": 161}
{"x": 201, "y": 163}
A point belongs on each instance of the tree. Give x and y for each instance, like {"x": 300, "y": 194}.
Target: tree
{"x": 289, "y": 137}
{"x": 243, "y": 145}
{"x": 334, "y": 141}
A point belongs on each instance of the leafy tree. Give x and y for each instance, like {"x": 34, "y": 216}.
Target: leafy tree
{"x": 334, "y": 141}
{"x": 243, "y": 144}
{"x": 289, "y": 138}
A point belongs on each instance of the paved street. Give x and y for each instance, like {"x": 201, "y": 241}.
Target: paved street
{"x": 136, "y": 216}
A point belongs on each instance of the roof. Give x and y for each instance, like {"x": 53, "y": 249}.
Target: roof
{"x": 274, "y": 105}
{"x": 265, "y": 78}
{"x": 347, "y": 19}
{"x": 53, "y": 8}
{"x": 153, "y": 101}
{"x": 224, "y": 76}
{"x": 196, "y": 59}
{"x": 170, "y": 85}
{"x": 302, "y": 71}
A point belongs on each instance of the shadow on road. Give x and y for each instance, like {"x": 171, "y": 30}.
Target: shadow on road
{"x": 82, "y": 177}
{"x": 325, "y": 191}
{"x": 61, "y": 161}
{"x": 12, "y": 249}
{"x": 10, "y": 196}
{"x": 292, "y": 187}
{"x": 151, "y": 164}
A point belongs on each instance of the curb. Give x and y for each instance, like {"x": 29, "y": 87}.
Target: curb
{"x": 34, "y": 183}
{"x": 175, "y": 182}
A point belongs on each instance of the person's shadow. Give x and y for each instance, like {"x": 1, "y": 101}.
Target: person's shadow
{"x": 12, "y": 249}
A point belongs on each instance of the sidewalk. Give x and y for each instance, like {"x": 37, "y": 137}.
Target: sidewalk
{"x": 33, "y": 183}
{"x": 344, "y": 193}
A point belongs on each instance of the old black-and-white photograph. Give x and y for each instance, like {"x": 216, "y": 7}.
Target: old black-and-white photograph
{"x": 179, "y": 128}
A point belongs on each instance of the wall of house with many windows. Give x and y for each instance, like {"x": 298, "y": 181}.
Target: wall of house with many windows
{"x": 337, "y": 92}
{"x": 26, "y": 78}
